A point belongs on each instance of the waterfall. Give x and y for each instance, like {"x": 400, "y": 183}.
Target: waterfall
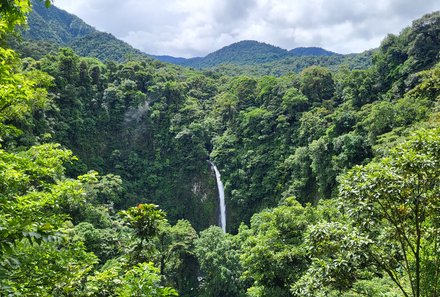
{"x": 221, "y": 196}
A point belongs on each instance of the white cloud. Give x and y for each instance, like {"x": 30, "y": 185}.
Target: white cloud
{"x": 196, "y": 27}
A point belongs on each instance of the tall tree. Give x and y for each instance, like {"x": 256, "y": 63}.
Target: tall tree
{"x": 218, "y": 257}
{"x": 395, "y": 202}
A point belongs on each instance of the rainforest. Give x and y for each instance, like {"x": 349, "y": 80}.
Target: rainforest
{"x": 111, "y": 163}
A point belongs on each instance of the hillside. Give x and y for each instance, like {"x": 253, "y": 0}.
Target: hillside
{"x": 54, "y": 25}
{"x": 104, "y": 46}
{"x": 60, "y": 28}
{"x": 244, "y": 52}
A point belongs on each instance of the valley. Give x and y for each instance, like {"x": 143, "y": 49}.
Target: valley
{"x": 325, "y": 183}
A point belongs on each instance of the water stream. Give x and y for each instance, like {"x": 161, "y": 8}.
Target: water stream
{"x": 221, "y": 196}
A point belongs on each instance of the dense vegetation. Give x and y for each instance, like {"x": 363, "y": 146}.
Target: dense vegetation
{"x": 256, "y": 58}
{"x": 52, "y": 24}
{"x": 296, "y": 64}
{"x": 331, "y": 176}
{"x": 50, "y": 28}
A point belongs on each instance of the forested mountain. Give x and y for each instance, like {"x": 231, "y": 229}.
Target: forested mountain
{"x": 332, "y": 176}
{"x": 54, "y": 25}
{"x": 60, "y": 28}
{"x": 257, "y": 58}
{"x": 243, "y": 52}
{"x": 51, "y": 28}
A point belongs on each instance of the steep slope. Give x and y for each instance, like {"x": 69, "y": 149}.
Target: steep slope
{"x": 104, "y": 46}
{"x": 61, "y": 28}
{"x": 55, "y": 25}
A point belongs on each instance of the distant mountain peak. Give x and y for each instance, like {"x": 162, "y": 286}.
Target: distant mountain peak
{"x": 253, "y": 46}
{"x": 246, "y": 52}
{"x": 311, "y": 51}
{"x": 250, "y": 42}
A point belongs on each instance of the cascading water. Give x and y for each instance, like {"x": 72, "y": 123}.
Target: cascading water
{"x": 221, "y": 196}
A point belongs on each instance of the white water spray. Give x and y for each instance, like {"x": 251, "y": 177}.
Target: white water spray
{"x": 221, "y": 196}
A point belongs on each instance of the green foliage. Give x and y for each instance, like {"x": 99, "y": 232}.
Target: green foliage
{"x": 143, "y": 280}
{"x": 317, "y": 83}
{"x": 424, "y": 41}
{"x": 104, "y": 243}
{"x": 36, "y": 254}
{"x": 21, "y": 94}
{"x": 338, "y": 255}
{"x": 62, "y": 28}
{"x": 243, "y": 52}
{"x": 359, "y": 87}
{"x": 257, "y": 59}
{"x": 47, "y": 269}
{"x": 178, "y": 263}
{"x": 415, "y": 49}
{"x": 105, "y": 47}
{"x": 33, "y": 193}
{"x": 13, "y": 13}
{"x": 272, "y": 256}
{"x": 218, "y": 256}
{"x": 394, "y": 201}
{"x": 107, "y": 280}
{"x": 144, "y": 219}
{"x": 294, "y": 64}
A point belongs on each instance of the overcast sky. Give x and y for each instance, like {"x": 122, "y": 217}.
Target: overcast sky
{"x": 189, "y": 28}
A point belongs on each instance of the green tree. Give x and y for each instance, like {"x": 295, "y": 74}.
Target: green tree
{"x": 52, "y": 268}
{"x": 395, "y": 202}
{"x": 272, "y": 254}
{"x": 302, "y": 181}
{"x": 294, "y": 103}
{"x": 218, "y": 257}
{"x": 34, "y": 191}
{"x": 143, "y": 280}
{"x": 424, "y": 45}
{"x": 14, "y": 13}
{"x": 21, "y": 94}
{"x": 317, "y": 84}
{"x": 339, "y": 259}
{"x": 34, "y": 194}
{"x": 145, "y": 221}
{"x": 177, "y": 259}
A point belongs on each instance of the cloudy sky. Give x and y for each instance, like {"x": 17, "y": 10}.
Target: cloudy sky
{"x": 189, "y": 28}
